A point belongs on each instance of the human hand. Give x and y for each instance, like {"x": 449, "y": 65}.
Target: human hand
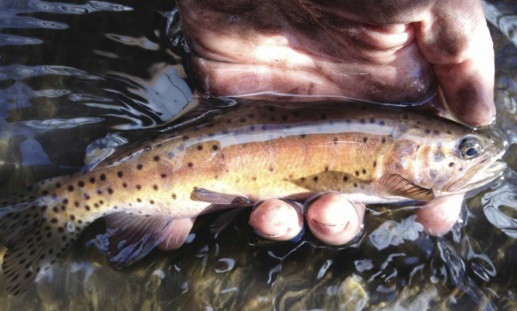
{"x": 394, "y": 51}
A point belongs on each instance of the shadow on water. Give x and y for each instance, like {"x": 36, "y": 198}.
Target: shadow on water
{"x": 72, "y": 73}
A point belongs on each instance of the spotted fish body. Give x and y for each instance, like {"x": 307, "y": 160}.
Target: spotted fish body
{"x": 249, "y": 154}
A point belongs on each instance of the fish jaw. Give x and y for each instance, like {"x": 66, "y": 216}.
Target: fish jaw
{"x": 484, "y": 169}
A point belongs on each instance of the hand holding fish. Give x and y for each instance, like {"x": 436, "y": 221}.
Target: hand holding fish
{"x": 388, "y": 51}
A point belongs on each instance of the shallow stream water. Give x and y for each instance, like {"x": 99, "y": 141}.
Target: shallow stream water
{"x": 73, "y": 72}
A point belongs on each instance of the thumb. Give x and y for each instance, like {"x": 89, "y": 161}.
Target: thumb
{"x": 455, "y": 39}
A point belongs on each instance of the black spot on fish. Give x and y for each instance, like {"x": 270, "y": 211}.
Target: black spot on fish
{"x": 383, "y": 140}
{"x": 124, "y": 185}
{"x": 435, "y": 132}
{"x": 374, "y": 163}
{"x": 271, "y": 169}
{"x": 356, "y": 173}
{"x": 362, "y": 121}
{"x": 185, "y": 137}
{"x": 200, "y": 147}
{"x": 335, "y": 140}
{"x": 372, "y": 120}
{"x": 427, "y": 131}
{"x": 155, "y": 187}
{"x": 138, "y": 200}
{"x": 139, "y": 187}
{"x": 174, "y": 197}
{"x": 303, "y": 136}
{"x": 72, "y": 217}
{"x": 365, "y": 139}
{"x": 315, "y": 178}
{"x": 163, "y": 175}
{"x": 190, "y": 164}
{"x": 76, "y": 204}
{"x": 80, "y": 183}
{"x": 103, "y": 177}
{"x": 364, "y": 171}
{"x": 87, "y": 207}
{"x": 449, "y": 132}
{"x": 139, "y": 166}
{"x": 110, "y": 191}
{"x": 215, "y": 147}
{"x": 151, "y": 202}
{"x": 53, "y": 221}
{"x": 438, "y": 156}
{"x": 252, "y": 128}
{"x": 381, "y": 123}
{"x": 355, "y": 185}
{"x": 99, "y": 192}
{"x": 120, "y": 174}
{"x": 56, "y": 209}
{"x": 86, "y": 196}
{"x": 326, "y": 168}
{"x": 92, "y": 180}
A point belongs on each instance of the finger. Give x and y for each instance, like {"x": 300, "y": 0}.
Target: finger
{"x": 455, "y": 38}
{"x": 335, "y": 220}
{"x": 177, "y": 232}
{"x": 439, "y": 216}
{"x": 277, "y": 220}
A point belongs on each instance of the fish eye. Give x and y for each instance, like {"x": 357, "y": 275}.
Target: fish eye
{"x": 469, "y": 147}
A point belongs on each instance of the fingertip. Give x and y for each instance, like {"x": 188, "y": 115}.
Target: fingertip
{"x": 334, "y": 220}
{"x": 439, "y": 216}
{"x": 277, "y": 220}
{"x": 176, "y": 233}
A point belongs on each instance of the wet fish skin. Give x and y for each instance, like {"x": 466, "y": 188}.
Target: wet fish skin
{"x": 253, "y": 153}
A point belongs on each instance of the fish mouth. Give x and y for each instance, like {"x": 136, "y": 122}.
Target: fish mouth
{"x": 479, "y": 178}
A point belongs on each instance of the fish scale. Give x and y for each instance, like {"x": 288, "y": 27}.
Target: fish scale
{"x": 251, "y": 153}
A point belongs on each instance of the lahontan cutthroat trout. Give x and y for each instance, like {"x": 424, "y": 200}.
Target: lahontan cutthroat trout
{"x": 247, "y": 155}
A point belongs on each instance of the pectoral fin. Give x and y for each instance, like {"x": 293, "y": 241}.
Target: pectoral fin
{"x": 395, "y": 184}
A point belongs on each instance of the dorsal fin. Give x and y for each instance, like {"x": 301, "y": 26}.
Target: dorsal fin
{"x": 397, "y": 185}
{"x": 132, "y": 236}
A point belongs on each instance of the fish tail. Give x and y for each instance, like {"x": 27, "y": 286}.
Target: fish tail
{"x": 35, "y": 236}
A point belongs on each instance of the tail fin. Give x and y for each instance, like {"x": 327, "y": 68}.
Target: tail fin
{"x": 34, "y": 241}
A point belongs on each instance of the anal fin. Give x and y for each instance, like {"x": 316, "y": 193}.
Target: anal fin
{"x": 132, "y": 236}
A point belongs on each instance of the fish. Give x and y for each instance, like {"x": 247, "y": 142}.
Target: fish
{"x": 243, "y": 155}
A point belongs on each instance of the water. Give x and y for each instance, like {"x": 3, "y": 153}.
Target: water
{"x": 72, "y": 73}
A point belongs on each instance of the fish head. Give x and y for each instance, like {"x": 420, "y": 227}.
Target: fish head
{"x": 457, "y": 161}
